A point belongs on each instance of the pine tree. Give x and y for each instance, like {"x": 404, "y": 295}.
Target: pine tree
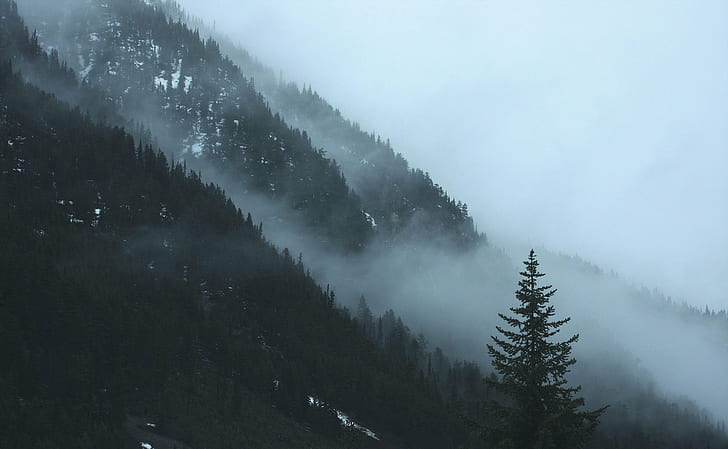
{"x": 541, "y": 410}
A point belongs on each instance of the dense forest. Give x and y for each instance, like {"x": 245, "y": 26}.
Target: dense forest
{"x": 397, "y": 196}
{"x": 138, "y": 301}
{"x": 110, "y": 305}
{"x": 151, "y": 316}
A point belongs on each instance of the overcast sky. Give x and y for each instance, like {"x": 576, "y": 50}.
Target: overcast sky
{"x": 591, "y": 128}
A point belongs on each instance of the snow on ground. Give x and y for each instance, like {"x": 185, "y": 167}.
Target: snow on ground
{"x": 177, "y": 74}
{"x": 111, "y": 68}
{"x": 370, "y": 219}
{"x": 96, "y": 217}
{"x": 196, "y": 148}
{"x": 345, "y": 420}
{"x": 84, "y": 73}
{"x": 160, "y": 81}
{"x": 87, "y": 67}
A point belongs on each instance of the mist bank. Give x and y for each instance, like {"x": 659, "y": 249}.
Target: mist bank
{"x": 631, "y": 339}
{"x": 454, "y": 300}
{"x": 607, "y": 121}
{"x": 454, "y": 297}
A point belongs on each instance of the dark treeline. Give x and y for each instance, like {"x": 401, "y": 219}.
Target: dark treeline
{"x": 199, "y": 106}
{"x": 131, "y": 289}
{"x": 124, "y": 245}
{"x": 397, "y": 197}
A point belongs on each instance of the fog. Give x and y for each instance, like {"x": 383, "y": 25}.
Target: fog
{"x": 630, "y": 341}
{"x": 598, "y": 130}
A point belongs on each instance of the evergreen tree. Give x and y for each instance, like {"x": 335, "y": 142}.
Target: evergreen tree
{"x": 541, "y": 411}
{"x": 365, "y": 318}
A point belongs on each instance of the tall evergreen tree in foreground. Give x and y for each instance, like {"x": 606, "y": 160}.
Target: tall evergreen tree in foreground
{"x": 541, "y": 411}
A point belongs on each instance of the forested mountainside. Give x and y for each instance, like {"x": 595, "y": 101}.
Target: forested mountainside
{"x": 198, "y": 105}
{"x": 194, "y": 99}
{"x": 394, "y": 197}
{"x": 159, "y": 301}
{"x": 132, "y": 292}
{"x": 304, "y": 108}
{"x": 397, "y": 195}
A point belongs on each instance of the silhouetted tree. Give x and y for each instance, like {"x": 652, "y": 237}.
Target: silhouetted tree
{"x": 541, "y": 410}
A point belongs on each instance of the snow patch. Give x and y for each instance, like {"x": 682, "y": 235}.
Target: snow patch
{"x": 160, "y": 80}
{"x": 177, "y": 74}
{"x": 344, "y": 418}
{"x": 97, "y": 216}
{"x": 84, "y": 73}
{"x": 372, "y": 222}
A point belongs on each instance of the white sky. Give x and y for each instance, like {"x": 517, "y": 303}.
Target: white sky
{"x": 597, "y": 128}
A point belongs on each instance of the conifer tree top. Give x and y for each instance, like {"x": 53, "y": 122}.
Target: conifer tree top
{"x": 542, "y": 410}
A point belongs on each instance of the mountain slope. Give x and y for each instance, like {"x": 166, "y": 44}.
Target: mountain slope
{"x": 198, "y": 106}
{"x": 405, "y": 202}
{"x": 109, "y": 306}
{"x": 203, "y": 107}
{"x": 95, "y": 324}
{"x": 394, "y": 406}
{"x": 129, "y": 287}
{"x": 306, "y": 109}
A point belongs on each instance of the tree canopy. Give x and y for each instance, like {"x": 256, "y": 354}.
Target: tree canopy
{"x": 542, "y": 410}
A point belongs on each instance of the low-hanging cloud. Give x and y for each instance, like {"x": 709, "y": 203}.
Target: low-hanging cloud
{"x": 597, "y": 130}
{"x": 591, "y": 129}
{"x": 543, "y": 158}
